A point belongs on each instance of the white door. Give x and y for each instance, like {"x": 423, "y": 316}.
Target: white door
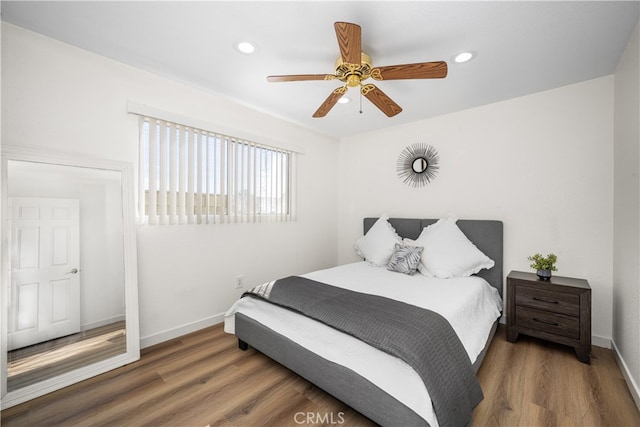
{"x": 45, "y": 270}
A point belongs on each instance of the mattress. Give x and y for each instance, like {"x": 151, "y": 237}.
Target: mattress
{"x": 470, "y": 305}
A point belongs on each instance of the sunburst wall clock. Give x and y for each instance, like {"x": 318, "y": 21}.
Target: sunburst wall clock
{"x": 417, "y": 164}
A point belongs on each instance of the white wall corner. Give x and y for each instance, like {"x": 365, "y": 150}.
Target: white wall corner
{"x": 631, "y": 383}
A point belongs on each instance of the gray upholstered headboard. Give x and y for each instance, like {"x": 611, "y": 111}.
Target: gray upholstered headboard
{"x": 487, "y": 235}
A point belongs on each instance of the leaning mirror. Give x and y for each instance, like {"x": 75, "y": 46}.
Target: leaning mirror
{"x": 69, "y": 287}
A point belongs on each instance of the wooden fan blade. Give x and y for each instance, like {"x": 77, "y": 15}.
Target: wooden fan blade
{"x": 421, "y": 70}
{"x": 350, "y": 42}
{"x": 330, "y": 102}
{"x": 300, "y": 77}
{"x": 381, "y": 100}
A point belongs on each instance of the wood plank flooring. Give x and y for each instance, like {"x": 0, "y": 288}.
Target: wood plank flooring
{"x": 203, "y": 379}
{"x": 38, "y": 362}
{"x": 536, "y": 383}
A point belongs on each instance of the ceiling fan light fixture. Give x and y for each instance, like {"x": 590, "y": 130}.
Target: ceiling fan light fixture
{"x": 246, "y": 47}
{"x": 344, "y": 100}
{"x": 463, "y": 57}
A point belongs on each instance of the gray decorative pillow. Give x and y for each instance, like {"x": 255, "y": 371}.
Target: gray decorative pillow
{"x": 405, "y": 259}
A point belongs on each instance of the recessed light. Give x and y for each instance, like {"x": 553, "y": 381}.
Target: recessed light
{"x": 463, "y": 57}
{"x": 246, "y": 47}
{"x": 344, "y": 100}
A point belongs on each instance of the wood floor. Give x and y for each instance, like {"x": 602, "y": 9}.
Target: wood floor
{"x": 38, "y": 362}
{"x": 536, "y": 383}
{"x": 203, "y": 379}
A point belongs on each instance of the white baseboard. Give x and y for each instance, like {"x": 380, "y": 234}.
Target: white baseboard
{"x": 633, "y": 386}
{"x": 180, "y": 331}
{"x": 600, "y": 341}
{"x": 102, "y": 322}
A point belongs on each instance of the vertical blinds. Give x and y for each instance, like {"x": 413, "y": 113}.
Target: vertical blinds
{"x": 195, "y": 176}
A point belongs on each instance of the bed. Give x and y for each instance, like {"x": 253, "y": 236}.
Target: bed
{"x": 377, "y": 384}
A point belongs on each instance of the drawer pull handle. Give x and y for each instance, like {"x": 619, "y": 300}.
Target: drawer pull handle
{"x": 546, "y": 322}
{"x": 545, "y": 300}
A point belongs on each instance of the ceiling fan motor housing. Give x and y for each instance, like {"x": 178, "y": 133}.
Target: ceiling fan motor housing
{"x": 353, "y": 74}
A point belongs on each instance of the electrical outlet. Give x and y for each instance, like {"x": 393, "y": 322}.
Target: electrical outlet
{"x": 239, "y": 282}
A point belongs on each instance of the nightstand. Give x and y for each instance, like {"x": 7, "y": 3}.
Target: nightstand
{"x": 557, "y": 310}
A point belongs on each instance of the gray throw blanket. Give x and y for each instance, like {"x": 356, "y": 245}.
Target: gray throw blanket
{"x": 422, "y": 338}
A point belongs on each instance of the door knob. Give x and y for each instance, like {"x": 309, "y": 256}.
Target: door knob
{"x": 73, "y": 271}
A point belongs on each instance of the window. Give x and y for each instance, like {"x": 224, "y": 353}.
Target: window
{"x": 195, "y": 176}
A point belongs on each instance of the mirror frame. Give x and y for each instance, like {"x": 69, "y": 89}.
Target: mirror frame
{"x": 15, "y": 397}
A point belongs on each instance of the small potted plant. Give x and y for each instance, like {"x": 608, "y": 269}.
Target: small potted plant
{"x": 543, "y": 265}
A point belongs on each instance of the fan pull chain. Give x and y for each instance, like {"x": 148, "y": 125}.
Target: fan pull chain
{"x": 360, "y": 102}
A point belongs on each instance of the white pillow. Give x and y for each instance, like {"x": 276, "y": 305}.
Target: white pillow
{"x": 377, "y": 246}
{"x": 447, "y": 251}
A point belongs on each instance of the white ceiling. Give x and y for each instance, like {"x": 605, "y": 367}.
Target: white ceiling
{"x": 522, "y": 48}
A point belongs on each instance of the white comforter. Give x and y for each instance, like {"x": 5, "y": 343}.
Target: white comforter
{"x": 470, "y": 305}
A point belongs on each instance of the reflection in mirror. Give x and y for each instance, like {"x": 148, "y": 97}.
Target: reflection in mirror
{"x": 419, "y": 165}
{"x": 67, "y": 270}
{"x": 69, "y": 276}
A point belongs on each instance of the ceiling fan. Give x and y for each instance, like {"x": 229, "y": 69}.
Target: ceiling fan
{"x": 353, "y": 67}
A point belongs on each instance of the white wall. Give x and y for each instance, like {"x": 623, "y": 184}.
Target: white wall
{"x": 55, "y": 96}
{"x": 543, "y": 164}
{"x": 626, "y": 248}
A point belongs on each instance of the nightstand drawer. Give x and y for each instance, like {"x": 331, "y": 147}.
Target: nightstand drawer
{"x": 557, "y": 302}
{"x": 553, "y": 323}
